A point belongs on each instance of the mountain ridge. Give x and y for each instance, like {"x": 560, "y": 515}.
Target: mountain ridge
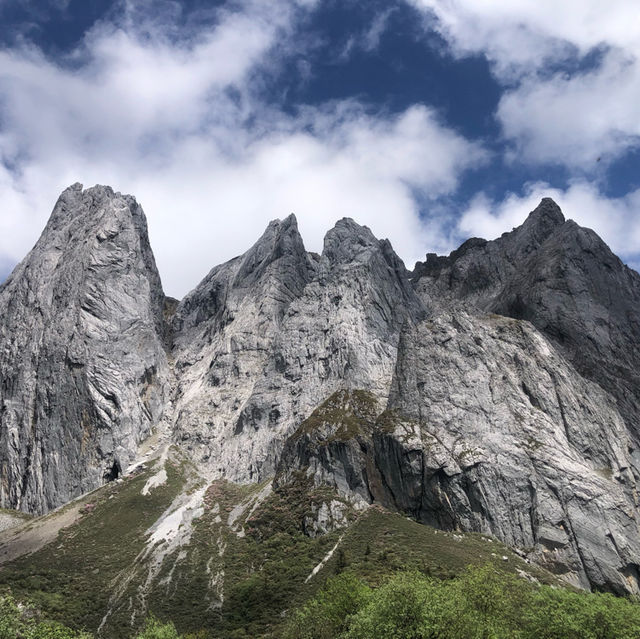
{"x": 501, "y": 378}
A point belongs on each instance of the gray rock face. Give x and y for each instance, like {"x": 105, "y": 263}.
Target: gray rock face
{"x": 493, "y": 390}
{"x": 83, "y": 369}
{"x": 566, "y": 281}
{"x": 515, "y": 444}
{"x": 528, "y": 432}
{"x": 487, "y": 429}
{"x": 268, "y": 336}
{"x": 478, "y": 270}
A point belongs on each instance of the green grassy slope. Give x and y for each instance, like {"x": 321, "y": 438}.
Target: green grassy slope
{"x": 71, "y": 578}
{"x": 244, "y": 564}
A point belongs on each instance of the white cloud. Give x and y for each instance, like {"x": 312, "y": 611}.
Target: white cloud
{"x": 176, "y": 122}
{"x": 372, "y": 36}
{"x": 576, "y": 120}
{"x": 359, "y": 167}
{"x": 616, "y": 220}
{"x": 528, "y": 33}
{"x": 369, "y": 39}
{"x": 568, "y": 118}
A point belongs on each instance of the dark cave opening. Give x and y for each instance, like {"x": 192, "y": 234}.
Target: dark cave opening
{"x": 111, "y": 474}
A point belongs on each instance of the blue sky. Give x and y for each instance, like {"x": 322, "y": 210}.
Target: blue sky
{"x": 428, "y": 120}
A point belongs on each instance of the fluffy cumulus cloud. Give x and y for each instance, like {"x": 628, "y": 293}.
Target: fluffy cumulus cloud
{"x": 616, "y": 220}
{"x": 576, "y": 120}
{"x": 525, "y": 34}
{"x": 556, "y": 109}
{"x": 174, "y": 118}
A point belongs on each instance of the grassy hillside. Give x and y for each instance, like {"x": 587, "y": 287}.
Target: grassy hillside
{"x": 230, "y": 560}
{"x": 72, "y": 577}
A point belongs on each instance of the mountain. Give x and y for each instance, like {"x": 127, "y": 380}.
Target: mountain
{"x": 83, "y": 365}
{"x": 265, "y": 338}
{"x": 296, "y": 408}
{"x": 564, "y": 280}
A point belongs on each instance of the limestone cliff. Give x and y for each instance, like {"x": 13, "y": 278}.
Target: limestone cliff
{"x": 489, "y": 430}
{"x": 493, "y": 390}
{"x": 566, "y": 281}
{"x": 82, "y": 363}
{"x": 268, "y": 336}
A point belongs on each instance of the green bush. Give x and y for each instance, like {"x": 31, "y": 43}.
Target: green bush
{"x": 155, "y": 629}
{"x": 53, "y": 630}
{"x": 482, "y": 603}
{"x": 327, "y": 615}
{"x": 399, "y": 608}
{"x": 555, "y": 614}
{"x": 22, "y": 622}
{"x": 18, "y": 621}
{"x": 11, "y": 622}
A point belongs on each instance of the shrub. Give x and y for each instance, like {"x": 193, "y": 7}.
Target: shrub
{"x": 155, "y": 629}
{"x": 19, "y": 621}
{"x": 327, "y": 615}
{"x": 481, "y": 603}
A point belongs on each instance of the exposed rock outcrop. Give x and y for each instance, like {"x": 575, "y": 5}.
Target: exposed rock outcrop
{"x": 487, "y": 429}
{"x": 492, "y": 390}
{"x": 513, "y": 443}
{"x": 83, "y": 369}
{"x": 268, "y": 336}
{"x": 566, "y": 281}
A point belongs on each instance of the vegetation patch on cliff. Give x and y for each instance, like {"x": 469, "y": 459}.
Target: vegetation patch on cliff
{"x": 343, "y": 416}
{"x": 71, "y": 579}
{"x": 246, "y": 566}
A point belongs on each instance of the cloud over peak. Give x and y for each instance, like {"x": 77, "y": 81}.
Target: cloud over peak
{"x": 178, "y": 123}
{"x": 563, "y": 103}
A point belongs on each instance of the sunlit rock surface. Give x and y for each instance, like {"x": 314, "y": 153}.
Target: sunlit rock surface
{"x": 493, "y": 390}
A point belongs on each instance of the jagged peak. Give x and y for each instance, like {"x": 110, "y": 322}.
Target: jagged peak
{"x": 547, "y": 215}
{"x": 279, "y": 251}
{"x": 277, "y": 229}
{"x": 288, "y": 223}
{"x": 541, "y": 223}
{"x": 521, "y": 241}
{"x": 75, "y": 201}
{"x": 96, "y": 191}
{"x": 281, "y": 239}
{"x": 346, "y": 240}
{"x": 348, "y": 225}
{"x": 97, "y": 214}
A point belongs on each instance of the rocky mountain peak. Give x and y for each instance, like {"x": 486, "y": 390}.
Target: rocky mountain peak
{"x": 82, "y": 362}
{"x": 281, "y": 242}
{"x": 547, "y": 212}
{"x": 274, "y": 271}
{"x": 75, "y": 201}
{"x": 538, "y": 226}
{"x": 348, "y": 241}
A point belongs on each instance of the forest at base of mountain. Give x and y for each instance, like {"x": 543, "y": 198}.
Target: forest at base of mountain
{"x": 481, "y": 602}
